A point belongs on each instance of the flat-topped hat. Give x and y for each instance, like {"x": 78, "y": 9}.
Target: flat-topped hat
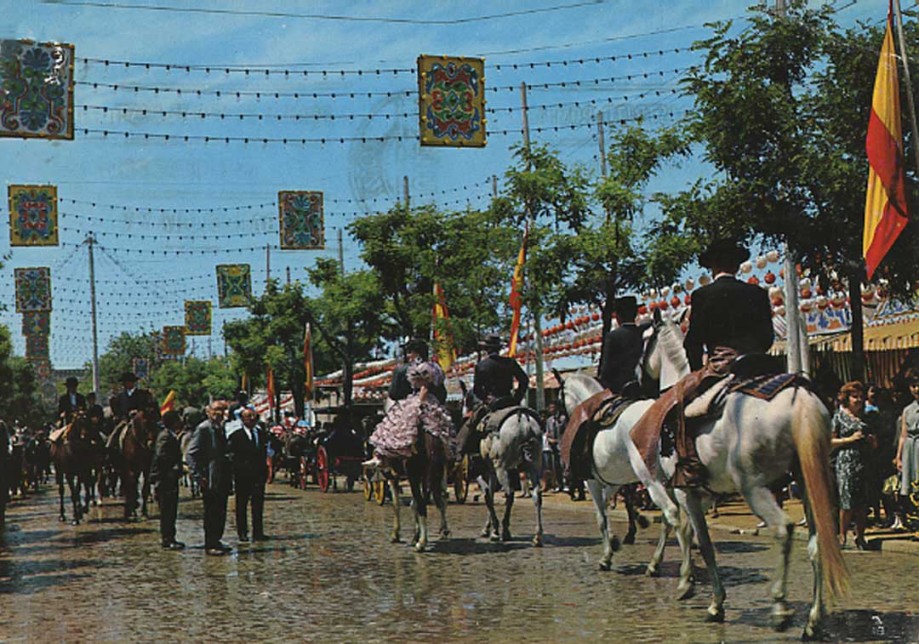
{"x": 723, "y": 252}
{"x": 127, "y": 376}
{"x": 491, "y": 341}
{"x": 625, "y": 303}
{"x": 415, "y": 344}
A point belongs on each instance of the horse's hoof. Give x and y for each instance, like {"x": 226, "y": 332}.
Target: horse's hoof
{"x": 485, "y": 533}
{"x": 395, "y": 540}
{"x": 781, "y": 616}
{"x": 419, "y": 547}
{"x": 537, "y": 541}
{"x": 642, "y": 522}
{"x": 606, "y": 565}
{"x": 75, "y": 522}
{"x": 62, "y": 518}
{"x": 685, "y": 592}
{"x": 814, "y": 633}
{"x": 506, "y": 535}
{"x": 615, "y": 544}
{"x": 629, "y": 539}
{"x": 444, "y": 535}
{"x": 714, "y": 615}
{"x": 651, "y": 571}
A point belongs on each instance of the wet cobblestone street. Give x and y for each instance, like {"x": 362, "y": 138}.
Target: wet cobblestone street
{"x": 329, "y": 573}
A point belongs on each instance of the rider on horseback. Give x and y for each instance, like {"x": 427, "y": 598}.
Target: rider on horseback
{"x": 622, "y": 349}
{"x": 127, "y": 403}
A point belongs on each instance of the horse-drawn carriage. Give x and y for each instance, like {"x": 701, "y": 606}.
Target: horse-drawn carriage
{"x": 322, "y": 454}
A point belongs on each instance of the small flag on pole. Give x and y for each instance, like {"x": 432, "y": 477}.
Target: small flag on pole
{"x": 269, "y": 387}
{"x": 885, "y": 203}
{"x": 443, "y": 339}
{"x": 308, "y": 363}
{"x": 169, "y": 402}
{"x": 244, "y": 382}
{"x": 516, "y": 298}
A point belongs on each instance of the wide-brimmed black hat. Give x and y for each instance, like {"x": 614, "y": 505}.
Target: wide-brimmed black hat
{"x": 625, "y": 303}
{"x": 723, "y": 252}
{"x": 127, "y": 376}
{"x": 491, "y": 341}
{"x": 71, "y": 381}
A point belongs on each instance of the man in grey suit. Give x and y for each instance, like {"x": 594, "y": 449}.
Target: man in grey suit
{"x": 207, "y": 458}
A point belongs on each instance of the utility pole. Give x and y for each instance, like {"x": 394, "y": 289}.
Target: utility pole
{"x": 405, "y": 193}
{"x": 267, "y": 264}
{"x": 911, "y": 102}
{"x": 90, "y": 241}
{"x": 611, "y": 279}
{"x": 494, "y": 187}
{"x": 537, "y": 313}
{"x": 341, "y": 254}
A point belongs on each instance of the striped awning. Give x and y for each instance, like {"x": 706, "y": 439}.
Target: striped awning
{"x": 901, "y": 333}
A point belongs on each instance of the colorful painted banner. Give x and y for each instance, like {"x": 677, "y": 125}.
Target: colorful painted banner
{"x": 234, "y": 285}
{"x": 141, "y": 368}
{"x": 36, "y": 323}
{"x": 33, "y": 289}
{"x": 302, "y": 222}
{"x": 197, "y": 317}
{"x": 173, "y": 340}
{"x": 451, "y": 98}
{"x": 33, "y": 215}
{"x": 36, "y": 83}
{"x": 37, "y": 347}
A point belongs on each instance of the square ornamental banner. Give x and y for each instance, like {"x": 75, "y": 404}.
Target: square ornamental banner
{"x": 234, "y": 285}
{"x": 197, "y": 317}
{"x": 36, "y": 86}
{"x": 451, "y": 99}
{"x": 33, "y": 215}
{"x": 36, "y": 323}
{"x": 301, "y": 220}
{"x": 33, "y": 289}
{"x": 173, "y": 340}
{"x": 141, "y": 368}
{"x": 37, "y": 347}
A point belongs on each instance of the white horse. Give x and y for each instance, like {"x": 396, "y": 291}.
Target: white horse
{"x": 750, "y": 446}
{"x": 516, "y": 445}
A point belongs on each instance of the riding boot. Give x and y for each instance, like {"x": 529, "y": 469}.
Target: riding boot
{"x": 690, "y": 472}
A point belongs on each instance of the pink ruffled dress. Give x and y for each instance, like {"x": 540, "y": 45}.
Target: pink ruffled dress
{"x": 396, "y": 433}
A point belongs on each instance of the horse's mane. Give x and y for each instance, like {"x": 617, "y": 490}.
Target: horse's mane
{"x": 671, "y": 344}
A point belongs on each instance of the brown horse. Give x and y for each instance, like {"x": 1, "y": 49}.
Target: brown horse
{"x": 74, "y": 456}
{"x": 136, "y": 459}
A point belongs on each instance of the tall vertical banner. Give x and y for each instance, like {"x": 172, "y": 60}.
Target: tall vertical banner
{"x": 885, "y": 203}
{"x": 197, "y": 317}
{"x": 443, "y": 337}
{"x": 269, "y": 386}
{"x": 234, "y": 285}
{"x": 37, "y": 347}
{"x": 173, "y": 340}
{"x": 451, "y": 99}
{"x": 36, "y": 86}
{"x": 516, "y": 299}
{"x": 36, "y": 323}
{"x": 33, "y": 215}
{"x": 33, "y": 289}
{"x": 301, "y": 220}
{"x": 308, "y": 362}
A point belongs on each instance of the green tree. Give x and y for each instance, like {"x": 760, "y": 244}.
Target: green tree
{"x": 118, "y": 358}
{"x": 19, "y": 396}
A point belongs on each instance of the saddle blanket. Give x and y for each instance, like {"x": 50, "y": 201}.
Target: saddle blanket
{"x": 600, "y": 411}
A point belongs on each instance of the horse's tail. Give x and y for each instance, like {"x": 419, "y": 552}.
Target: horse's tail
{"x": 811, "y": 435}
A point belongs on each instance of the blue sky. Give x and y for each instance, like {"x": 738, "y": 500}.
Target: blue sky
{"x": 236, "y": 183}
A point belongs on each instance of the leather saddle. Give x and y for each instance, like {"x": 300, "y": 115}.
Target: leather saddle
{"x": 598, "y": 412}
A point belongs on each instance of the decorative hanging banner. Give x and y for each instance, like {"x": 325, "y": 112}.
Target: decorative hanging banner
{"x": 173, "y": 340}
{"x": 36, "y": 323}
{"x": 141, "y": 368}
{"x": 197, "y": 317}
{"x": 33, "y": 216}
{"x": 36, "y": 83}
{"x": 301, "y": 219}
{"x": 42, "y": 368}
{"x": 36, "y": 347}
{"x": 234, "y": 285}
{"x": 451, "y": 98}
{"x": 33, "y": 289}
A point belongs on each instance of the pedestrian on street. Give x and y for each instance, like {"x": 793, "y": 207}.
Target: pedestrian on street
{"x": 247, "y": 448}
{"x": 207, "y": 458}
{"x": 907, "y": 460}
{"x": 851, "y": 440}
{"x": 164, "y": 475}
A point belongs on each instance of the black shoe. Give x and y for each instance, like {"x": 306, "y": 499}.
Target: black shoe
{"x": 175, "y": 545}
{"x": 215, "y": 552}
{"x": 224, "y": 547}
{"x": 261, "y": 537}
{"x": 244, "y": 537}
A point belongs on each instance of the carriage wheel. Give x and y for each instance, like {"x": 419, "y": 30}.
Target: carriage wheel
{"x": 461, "y": 480}
{"x": 379, "y": 491}
{"x": 322, "y": 468}
{"x": 303, "y": 472}
{"x": 368, "y": 489}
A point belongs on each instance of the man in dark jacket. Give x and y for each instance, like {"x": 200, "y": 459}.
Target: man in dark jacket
{"x": 495, "y": 376}
{"x": 207, "y": 458}
{"x": 71, "y": 402}
{"x": 164, "y": 475}
{"x": 622, "y": 348}
{"x": 129, "y": 400}
{"x": 247, "y": 447}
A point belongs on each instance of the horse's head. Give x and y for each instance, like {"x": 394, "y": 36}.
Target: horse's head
{"x": 575, "y": 389}
{"x": 664, "y": 358}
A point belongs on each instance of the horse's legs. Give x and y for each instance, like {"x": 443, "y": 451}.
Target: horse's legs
{"x": 492, "y": 527}
{"x": 439, "y": 495}
{"x": 59, "y": 475}
{"x": 535, "y": 475}
{"x": 814, "y": 628}
{"x": 420, "y": 510}
{"x": 693, "y": 504}
{"x": 144, "y": 493}
{"x": 658, "y": 556}
{"x": 73, "y": 482}
{"x": 129, "y": 488}
{"x": 505, "y": 480}
{"x": 600, "y": 496}
{"x": 687, "y": 586}
{"x": 763, "y": 504}
{"x": 635, "y": 518}
{"x": 396, "y": 524}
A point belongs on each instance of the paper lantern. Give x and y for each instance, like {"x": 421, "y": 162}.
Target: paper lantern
{"x": 780, "y": 310}
{"x": 687, "y": 299}
{"x": 746, "y": 267}
{"x": 753, "y": 279}
{"x": 665, "y": 291}
{"x": 663, "y": 305}
{"x": 675, "y": 301}
{"x": 769, "y": 278}
{"x": 705, "y": 280}
{"x": 822, "y": 303}
{"x": 806, "y": 306}
{"x": 761, "y": 262}
{"x": 689, "y": 284}
{"x": 772, "y": 256}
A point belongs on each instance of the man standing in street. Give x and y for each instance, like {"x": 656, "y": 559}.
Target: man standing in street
{"x": 164, "y": 475}
{"x": 248, "y": 453}
{"x": 207, "y": 458}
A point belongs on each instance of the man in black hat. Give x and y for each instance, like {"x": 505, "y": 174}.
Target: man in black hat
{"x": 71, "y": 402}
{"x": 132, "y": 398}
{"x": 622, "y": 348}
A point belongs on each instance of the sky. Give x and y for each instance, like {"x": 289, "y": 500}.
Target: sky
{"x": 196, "y": 204}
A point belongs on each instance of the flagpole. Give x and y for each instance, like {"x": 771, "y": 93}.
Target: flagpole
{"x": 909, "y": 87}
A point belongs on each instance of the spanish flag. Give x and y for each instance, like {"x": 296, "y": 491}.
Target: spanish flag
{"x": 169, "y": 403}
{"x": 308, "y": 363}
{"x": 516, "y": 297}
{"x": 269, "y": 387}
{"x": 443, "y": 339}
{"x": 885, "y": 205}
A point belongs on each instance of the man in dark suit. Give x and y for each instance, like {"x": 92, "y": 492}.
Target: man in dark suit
{"x": 164, "y": 475}
{"x": 622, "y": 348}
{"x": 132, "y": 398}
{"x": 495, "y": 376}
{"x": 207, "y": 458}
{"x": 247, "y": 448}
{"x": 71, "y": 402}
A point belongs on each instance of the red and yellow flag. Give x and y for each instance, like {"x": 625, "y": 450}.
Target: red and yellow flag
{"x": 516, "y": 297}
{"x": 169, "y": 403}
{"x": 308, "y": 363}
{"x": 269, "y": 387}
{"x": 885, "y": 204}
{"x": 443, "y": 339}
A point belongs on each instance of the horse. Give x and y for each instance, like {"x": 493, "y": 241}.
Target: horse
{"x": 789, "y": 432}
{"x": 74, "y": 456}
{"x": 137, "y": 458}
{"x": 425, "y": 470}
{"x": 515, "y": 444}
{"x": 37, "y": 458}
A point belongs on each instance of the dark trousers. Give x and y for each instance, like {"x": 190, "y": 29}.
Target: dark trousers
{"x": 169, "y": 508}
{"x": 215, "y": 517}
{"x": 246, "y": 492}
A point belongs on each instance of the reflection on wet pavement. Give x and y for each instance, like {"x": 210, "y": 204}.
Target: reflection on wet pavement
{"x": 330, "y": 573}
